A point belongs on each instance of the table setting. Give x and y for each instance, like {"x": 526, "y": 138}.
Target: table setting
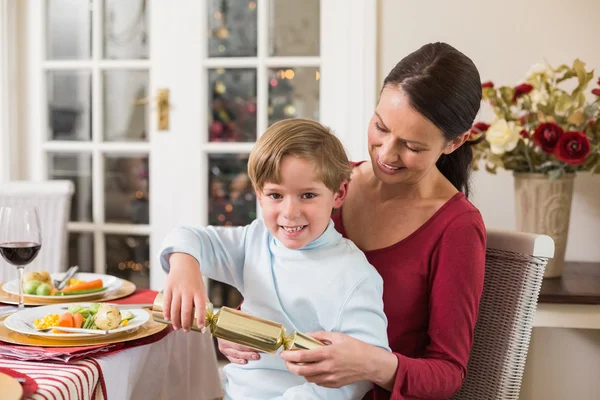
{"x": 81, "y": 335}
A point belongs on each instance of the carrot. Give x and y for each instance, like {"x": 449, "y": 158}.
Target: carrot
{"x": 77, "y": 320}
{"x": 84, "y": 286}
{"x": 66, "y": 320}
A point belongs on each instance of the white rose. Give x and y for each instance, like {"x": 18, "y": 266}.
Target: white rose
{"x": 502, "y": 136}
{"x": 538, "y": 97}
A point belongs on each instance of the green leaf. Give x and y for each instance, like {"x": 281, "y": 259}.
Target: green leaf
{"x": 555, "y": 173}
{"x": 579, "y": 68}
{"x": 567, "y": 75}
{"x": 563, "y": 103}
{"x": 507, "y": 94}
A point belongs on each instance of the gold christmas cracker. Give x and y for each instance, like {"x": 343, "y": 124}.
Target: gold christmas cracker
{"x": 241, "y": 328}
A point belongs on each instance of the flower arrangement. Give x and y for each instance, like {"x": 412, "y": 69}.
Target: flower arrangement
{"x": 540, "y": 125}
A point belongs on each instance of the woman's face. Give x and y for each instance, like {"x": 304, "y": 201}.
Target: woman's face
{"x": 403, "y": 145}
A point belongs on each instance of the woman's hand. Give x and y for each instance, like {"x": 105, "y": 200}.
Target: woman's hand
{"x": 184, "y": 291}
{"x": 344, "y": 361}
{"x": 236, "y": 353}
{"x": 338, "y": 364}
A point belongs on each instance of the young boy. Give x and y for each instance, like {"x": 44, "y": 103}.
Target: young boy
{"x": 291, "y": 267}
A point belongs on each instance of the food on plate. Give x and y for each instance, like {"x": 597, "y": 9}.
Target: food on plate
{"x": 81, "y": 288}
{"x": 42, "y": 276}
{"x": 43, "y": 290}
{"x": 48, "y": 321}
{"x": 30, "y": 287}
{"x": 94, "y": 316}
{"x": 39, "y": 283}
{"x": 108, "y": 317}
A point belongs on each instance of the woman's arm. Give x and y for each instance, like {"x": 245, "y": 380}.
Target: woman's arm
{"x": 455, "y": 282}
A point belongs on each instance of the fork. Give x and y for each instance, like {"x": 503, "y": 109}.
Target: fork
{"x": 65, "y": 329}
{"x": 60, "y": 284}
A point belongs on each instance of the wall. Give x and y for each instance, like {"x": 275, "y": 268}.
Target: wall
{"x": 504, "y": 38}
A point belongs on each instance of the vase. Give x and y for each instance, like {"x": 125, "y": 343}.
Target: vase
{"x": 543, "y": 206}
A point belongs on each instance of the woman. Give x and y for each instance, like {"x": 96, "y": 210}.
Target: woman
{"x": 408, "y": 211}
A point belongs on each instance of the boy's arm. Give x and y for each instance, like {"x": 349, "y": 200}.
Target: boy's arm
{"x": 220, "y": 251}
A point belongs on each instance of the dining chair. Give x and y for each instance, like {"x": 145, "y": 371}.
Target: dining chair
{"x": 53, "y": 202}
{"x": 514, "y": 269}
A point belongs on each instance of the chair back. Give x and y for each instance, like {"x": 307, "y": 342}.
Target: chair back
{"x": 53, "y": 202}
{"x": 514, "y": 270}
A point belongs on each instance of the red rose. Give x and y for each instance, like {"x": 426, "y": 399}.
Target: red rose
{"x": 479, "y": 127}
{"x": 596, "y": 92}
{"x": 488, "y": 84}
{"x": 572, "y": 148}
{"x": 522, "y": 89}
{"x": 525, "y": 134}
{"x": 546, "y": 136}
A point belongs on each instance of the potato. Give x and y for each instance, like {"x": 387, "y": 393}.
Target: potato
{"x": 107, "y": 317}
{"x": 32, "y": 276}
{"x": 45, "y": 276}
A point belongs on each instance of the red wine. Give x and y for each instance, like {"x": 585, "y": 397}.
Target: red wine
{"x": 19, "y": 253}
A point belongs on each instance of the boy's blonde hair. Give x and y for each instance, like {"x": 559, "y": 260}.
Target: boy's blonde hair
{"x": 302, "y": 138}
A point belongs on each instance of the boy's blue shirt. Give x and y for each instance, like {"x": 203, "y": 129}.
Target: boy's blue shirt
{"x": 328, "y": 285}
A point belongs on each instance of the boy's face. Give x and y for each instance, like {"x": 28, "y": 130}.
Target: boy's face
{"x": 297, "y": 210}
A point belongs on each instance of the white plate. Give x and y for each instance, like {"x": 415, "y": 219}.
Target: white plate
{"x": 109, "y": 282}
{"x": 15, "y": 322}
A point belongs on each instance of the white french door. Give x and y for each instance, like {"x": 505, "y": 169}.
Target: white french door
{"x": 151, "y": 108}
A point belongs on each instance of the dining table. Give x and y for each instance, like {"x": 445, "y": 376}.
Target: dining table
{"x": 168, "y": 364}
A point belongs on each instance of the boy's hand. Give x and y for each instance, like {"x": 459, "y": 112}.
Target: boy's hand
{"x": 184, "y": 291}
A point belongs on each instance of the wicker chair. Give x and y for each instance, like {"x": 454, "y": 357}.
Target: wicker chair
{"x": 53, "y": 202}
{"x": 515, "y": 264}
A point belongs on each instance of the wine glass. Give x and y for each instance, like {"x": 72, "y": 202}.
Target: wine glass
{"x": 20, "y": 239}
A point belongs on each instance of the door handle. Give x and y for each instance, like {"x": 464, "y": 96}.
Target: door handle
{"x": 162, "y": 107}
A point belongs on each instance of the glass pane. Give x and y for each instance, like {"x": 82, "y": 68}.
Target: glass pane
{"x": 232, "y": 201}
{"x": 125, "y": 106}
{"x": 125, "y": 29}
{"x": 128, "y": 257}
{"x": 81, "y": 251}
{"x": 294, "y": 28}
{"x": 232, "y": 102}
{"x": 293, "y": 93}
{"x": 232, "y": 28}
{"x": 68, "y": 29}
{"x": 69, "y": 105}
{"x": 78, "y": 169}
{"x": 126, "y": 189}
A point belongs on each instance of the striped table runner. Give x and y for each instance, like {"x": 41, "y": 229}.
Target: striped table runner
{"x": 81, "y": 379}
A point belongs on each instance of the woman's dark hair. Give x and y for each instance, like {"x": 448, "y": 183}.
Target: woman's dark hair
{"x": 444, "y": 86}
